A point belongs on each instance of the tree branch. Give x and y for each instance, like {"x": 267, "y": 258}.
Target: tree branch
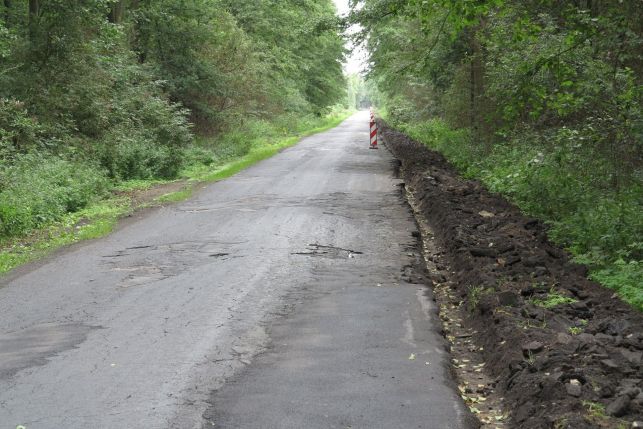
{"x": 433, "y": 45}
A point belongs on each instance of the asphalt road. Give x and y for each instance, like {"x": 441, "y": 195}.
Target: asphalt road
{"x": 273, "y": 299}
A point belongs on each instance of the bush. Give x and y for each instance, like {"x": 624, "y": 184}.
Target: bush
{"x": 38, "y": 189}
{"x": 147, "y": 141}
{"x": 18, "y": 131}
{"x": 136, "y": 156}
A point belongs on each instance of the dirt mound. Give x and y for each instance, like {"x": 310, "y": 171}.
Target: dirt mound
{"x": 565, "y": 352}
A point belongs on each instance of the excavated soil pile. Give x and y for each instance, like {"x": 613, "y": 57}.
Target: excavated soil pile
{"x": 564, "y": 351}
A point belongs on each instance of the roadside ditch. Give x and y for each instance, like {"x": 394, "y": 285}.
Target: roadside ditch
{"x": 534, "y": 343}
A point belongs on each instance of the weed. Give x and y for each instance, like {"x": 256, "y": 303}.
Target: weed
{"x": 595, "y": 409}
{"x": 575, "y": 330}
{"x": 37, "y": 190}
{"x": 474, "y": 293}
{"x": 596, "y": 413}
{"x": 529, "y": 324}
{"x": 624, "y": 277}
{"x": 553, "y": 299}
{"x": 177, "y": 196}
{"x": 561, "y": 424}
{"x": 531, "y": 359}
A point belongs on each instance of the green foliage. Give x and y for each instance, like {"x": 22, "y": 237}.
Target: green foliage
{"x": 18, "y": 131}
{"x": 553, "y": 299}
{"x": 36, "y": 190}
{"x": 208, "y": 63}
{"x": 301, "y": 52}
{"x": 86, "y": 97}
{"x": 91, "y": 222}
{"x": 357, "y": 96}
{"x": 146, "y": 144}
{"x": 624, "y": 277}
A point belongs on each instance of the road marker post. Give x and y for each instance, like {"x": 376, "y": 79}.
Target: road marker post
{"x": 373, "y": 132}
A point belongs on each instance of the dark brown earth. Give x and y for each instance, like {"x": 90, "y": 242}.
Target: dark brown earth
{"x": 576, "y": 364}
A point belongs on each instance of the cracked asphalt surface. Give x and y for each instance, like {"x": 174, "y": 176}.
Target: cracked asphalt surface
{"x": 278, "y": 298}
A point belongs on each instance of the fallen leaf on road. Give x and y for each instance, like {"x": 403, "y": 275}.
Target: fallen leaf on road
{"x": 412, "y": 357}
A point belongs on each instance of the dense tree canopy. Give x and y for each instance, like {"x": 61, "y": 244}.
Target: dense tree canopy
{"x": 99, "y": 69}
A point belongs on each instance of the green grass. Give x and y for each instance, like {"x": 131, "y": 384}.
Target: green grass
{"x": 223, "y": 159}
{"x": 177, "y": 196}
{"x": 95, "y": 221}
{"x": 575, "y": 330}
{"x": 138, "y": 184}
{"x": 553, "y": 299}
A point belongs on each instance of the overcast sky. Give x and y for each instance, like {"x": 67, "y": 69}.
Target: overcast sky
{"x": 355, "y": 60}
{"x": 342, "y": 6}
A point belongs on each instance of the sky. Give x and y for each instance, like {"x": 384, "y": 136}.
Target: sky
{"x": 356, "y": 58}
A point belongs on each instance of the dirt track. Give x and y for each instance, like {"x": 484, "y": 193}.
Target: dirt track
{"x": 572, "y": 365}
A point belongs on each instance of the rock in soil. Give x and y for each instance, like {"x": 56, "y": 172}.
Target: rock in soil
{"x": 618, "y": 407}
{"x": 532, "y": 347}
{"x": 574, "y": 389}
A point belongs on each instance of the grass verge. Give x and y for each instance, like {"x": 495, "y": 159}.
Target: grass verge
{"x": 94, "y": 221}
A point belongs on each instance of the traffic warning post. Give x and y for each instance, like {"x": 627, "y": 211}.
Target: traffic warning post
{"x": 373, "y": 132}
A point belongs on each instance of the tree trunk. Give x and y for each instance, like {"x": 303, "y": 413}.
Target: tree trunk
{"x": 117, "y": 12}
{"x": 7, "y": 13}
{"x": 472, "y": 96}
{"x": 34, "y": 11}
{"x": 140, "y": 36}
{"x": 477, "y": 82}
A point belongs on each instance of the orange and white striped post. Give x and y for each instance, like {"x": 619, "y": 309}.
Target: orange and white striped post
{"x": 373, "y": 132}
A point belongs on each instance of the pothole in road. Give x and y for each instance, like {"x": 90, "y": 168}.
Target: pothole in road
{"x": 145, "y": 264}
{"x": 332, "y": 252}
{"x": 32, "y": 346}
